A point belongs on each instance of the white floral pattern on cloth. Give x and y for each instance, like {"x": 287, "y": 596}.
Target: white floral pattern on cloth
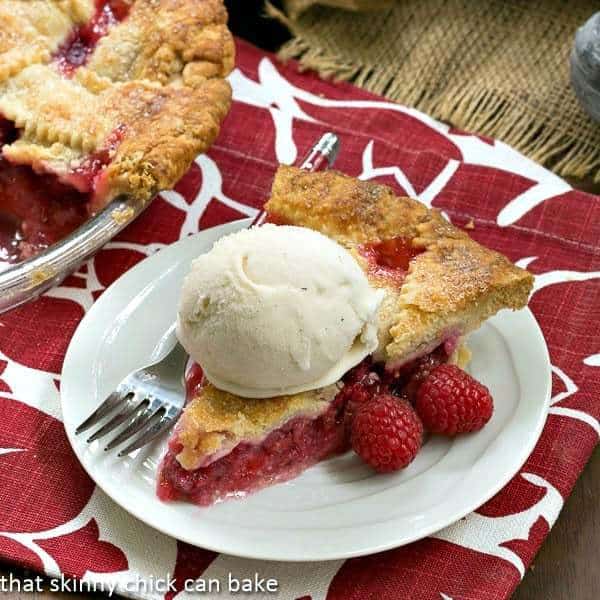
{"x": 53, "y": 519}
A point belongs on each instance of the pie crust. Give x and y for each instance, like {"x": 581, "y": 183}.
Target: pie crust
{"x": 113, "y": 96}
{"x": 216, "y": 421}
{"x": 452, "y": 285}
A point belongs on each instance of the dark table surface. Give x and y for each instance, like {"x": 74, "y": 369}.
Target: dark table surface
{"x": 566, "y": 568}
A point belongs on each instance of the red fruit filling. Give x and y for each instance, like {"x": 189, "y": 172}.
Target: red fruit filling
{"x": 38, "y": 209}
{"x": 281, "y": 456}
{"x": 390, "y": 258}
{"x": 85, "y": 176}
{"x": 287, "y": 451}
{"x": 74, "y": 52}
{"x": 35, "y": 211}
{"x": 194, "y": 379}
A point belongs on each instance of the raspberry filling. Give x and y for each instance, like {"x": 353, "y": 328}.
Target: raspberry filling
{"x": 10, "y": 238}
{"x": 194, "y": 379}
{"x": 390, "y": 258}
{"x": 35, "y": 211}
{"x": 281, "y": 456}
{"x": 74, "y": 52}
{"x": 85, "y": 176}
{"x": 288, "y": 451}
{"x": 38, "y": 208}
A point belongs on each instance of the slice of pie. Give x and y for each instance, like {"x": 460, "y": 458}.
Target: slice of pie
{"x": 100, "y": 98}
{"x": 439, "y": 285}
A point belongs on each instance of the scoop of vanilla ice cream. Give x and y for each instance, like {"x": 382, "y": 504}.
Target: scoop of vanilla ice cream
{"x": 277, "y": 310}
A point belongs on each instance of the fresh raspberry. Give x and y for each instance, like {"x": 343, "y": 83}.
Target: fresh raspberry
{"x": 354, "y": 396}
{"x": 360, "y": 384}
{"x": 450, "y": 401}
{"x": 419, "y": 372}
{"x": 386, "y": 433}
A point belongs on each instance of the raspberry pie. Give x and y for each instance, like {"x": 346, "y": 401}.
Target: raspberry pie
{"x": 100, "y": 98}
{"x": 439, "y": 284}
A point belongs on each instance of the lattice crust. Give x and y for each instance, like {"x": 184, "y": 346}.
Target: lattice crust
{"x": 30, "y": 30}
{"x": 145, "y": 47}
{"x": 63, "y": 121}
{"x": 156, "y": 78}
{"x": 216, "y": 421}
{"x": 166, "y": 129}
{"x": 49, "y": 108}
{"x": 450, "y": 288}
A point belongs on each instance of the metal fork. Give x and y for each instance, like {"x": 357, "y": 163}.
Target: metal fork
{"x": 150, "y": 399}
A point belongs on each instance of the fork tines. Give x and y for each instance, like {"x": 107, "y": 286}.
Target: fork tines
{"x": 142, "y": 415}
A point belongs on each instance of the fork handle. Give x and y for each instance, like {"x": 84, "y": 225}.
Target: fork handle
{"x": 323, "y": 154}
{"x": 320, "y": 157}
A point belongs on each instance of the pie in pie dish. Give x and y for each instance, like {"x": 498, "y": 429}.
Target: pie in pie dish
{"x": 438, "y": 285}
{"x": 100, "y": 98}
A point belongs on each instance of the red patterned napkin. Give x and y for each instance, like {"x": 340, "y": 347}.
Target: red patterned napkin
{"x": 53, "y": 519}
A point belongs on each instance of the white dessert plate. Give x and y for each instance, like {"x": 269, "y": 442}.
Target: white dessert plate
{"x": 339, "y": 508}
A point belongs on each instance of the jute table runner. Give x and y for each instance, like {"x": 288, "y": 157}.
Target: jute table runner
{"x": 499, "y": 68}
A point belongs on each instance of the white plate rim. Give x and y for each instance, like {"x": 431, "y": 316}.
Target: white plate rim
{"x": 369, "y": 547}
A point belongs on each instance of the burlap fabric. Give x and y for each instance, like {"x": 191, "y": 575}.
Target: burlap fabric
{"x": 295, "y": 7}
{"x": 499, "y": 68}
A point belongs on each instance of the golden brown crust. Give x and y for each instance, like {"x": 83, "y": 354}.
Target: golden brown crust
{"x": 216, "y": 421}
{"x": 451, "y": 274}
{"x": 157, "y": 78}
{"x": 165, "y": 130}
{"x": 185, "y": 41}
{"x": 451, "y": 287}
{"x": 163, "y": 127}
{"x": 343, "y": 208}
{"x": 30, "y": 30}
